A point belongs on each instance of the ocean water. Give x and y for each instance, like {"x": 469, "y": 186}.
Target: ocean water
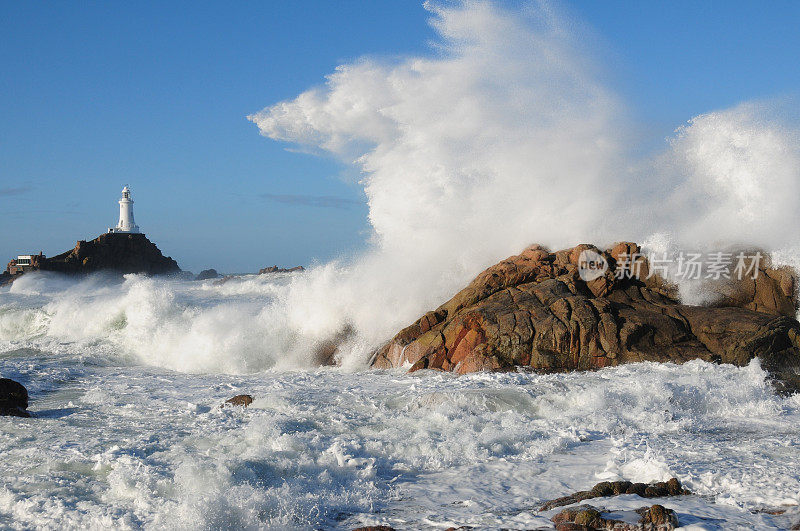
{"x": 127, "y": 377}
{"x": 503, "y": 134}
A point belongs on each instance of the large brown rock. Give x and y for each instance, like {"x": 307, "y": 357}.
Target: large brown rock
{"x": 534, "y": 310}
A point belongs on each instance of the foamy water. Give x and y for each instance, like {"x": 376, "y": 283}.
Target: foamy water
{"x": 128, "y": 432}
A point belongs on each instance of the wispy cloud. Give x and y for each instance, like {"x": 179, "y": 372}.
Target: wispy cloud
{"x": 320, "y": 201}
{"x": 5, "y": 192}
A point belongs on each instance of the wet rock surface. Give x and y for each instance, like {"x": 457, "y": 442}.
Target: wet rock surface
{"x": 13, "y": 399}
{"x": 786, "y": 384}
{"x": 588, "y": 517}
{"x": 535, "y": 311}
{"x": 239, "y": 400}
{"x": 660, "y": 489}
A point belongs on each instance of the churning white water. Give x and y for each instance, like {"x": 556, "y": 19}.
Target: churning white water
{"x": 501, "y": 137}
{"x": 506, "y": 135}
{"x": 127, "y": 377}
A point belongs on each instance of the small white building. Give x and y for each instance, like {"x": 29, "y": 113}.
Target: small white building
{"x": 126, "y": 223}
{"x": 24, "y": 263}
{"x": 25, "y": 260}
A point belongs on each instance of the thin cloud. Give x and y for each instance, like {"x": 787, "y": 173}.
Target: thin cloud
{"x": 5, "y": 192}
{"x": 319, "y": 201}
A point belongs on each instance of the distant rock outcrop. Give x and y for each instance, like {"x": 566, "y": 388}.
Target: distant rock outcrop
{"x": 276, "y": 269}
{"x": 13, "y": 399}
{"x": 534, "y": 310}
{"x": 207, "y": 274}
{"x": 120, "y": 252}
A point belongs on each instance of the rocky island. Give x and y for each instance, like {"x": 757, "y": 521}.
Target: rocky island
{"x": 123, "y": 249}
{"x": 117, "y": 252}
{"x": 123, "y": 253}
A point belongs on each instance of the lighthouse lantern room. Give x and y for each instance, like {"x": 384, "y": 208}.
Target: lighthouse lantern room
{"x": 126, "y": 223}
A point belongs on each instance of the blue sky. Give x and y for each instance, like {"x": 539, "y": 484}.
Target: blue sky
{"x": 96, "y": 95}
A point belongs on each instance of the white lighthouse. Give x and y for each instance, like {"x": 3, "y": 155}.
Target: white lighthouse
{"x": 126, "y": 223}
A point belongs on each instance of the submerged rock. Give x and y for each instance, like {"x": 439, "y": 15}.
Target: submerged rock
{"x": 534, "y": 310}
{"x": 587, "y": 517}
{"x": 325, "y": 352}
{"x": 13, "y": 399}
{"x": 239, "y": 400}
{"x": 660, "y": 489}
{"x": 786, "y": 384}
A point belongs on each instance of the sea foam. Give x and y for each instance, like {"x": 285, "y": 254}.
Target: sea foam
{"x": 137, "y": 446}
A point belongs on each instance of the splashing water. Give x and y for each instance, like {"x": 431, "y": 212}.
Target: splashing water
{"x": 504, "y": 137}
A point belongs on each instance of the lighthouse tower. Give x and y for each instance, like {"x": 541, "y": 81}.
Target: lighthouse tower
{"x": 126, "y": 223}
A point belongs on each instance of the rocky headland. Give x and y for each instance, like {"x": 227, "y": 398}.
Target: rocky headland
{"x": 535, "y": 311}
